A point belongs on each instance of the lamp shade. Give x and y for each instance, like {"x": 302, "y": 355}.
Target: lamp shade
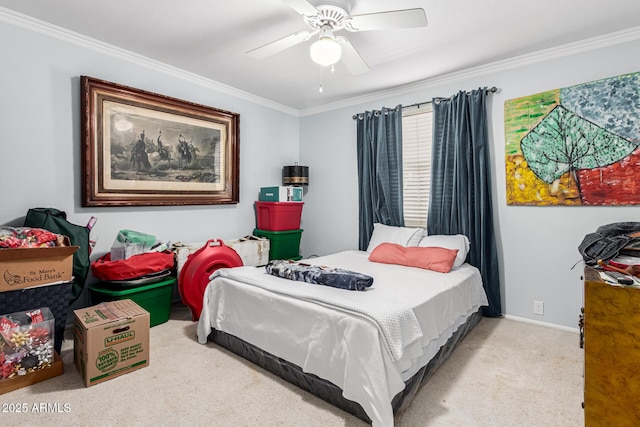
{"x": 295, "y": 175}
{"x": 325, "y": 51}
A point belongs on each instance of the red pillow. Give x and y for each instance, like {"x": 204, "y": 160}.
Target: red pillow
{"x": 430, "y": 258}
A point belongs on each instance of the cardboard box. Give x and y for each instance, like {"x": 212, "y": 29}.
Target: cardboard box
{"x": 34, "y": 377}
{"x": 281, "y": 194}
{"x": 110, "y": 339}
{"x": 28, "y": 267}
{"x": 253, "y": 250}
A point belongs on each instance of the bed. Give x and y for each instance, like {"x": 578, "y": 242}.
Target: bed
{"x": 365, "y": 352}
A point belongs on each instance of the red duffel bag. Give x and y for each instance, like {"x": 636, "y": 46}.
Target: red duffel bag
{"x": 133, "y": 267}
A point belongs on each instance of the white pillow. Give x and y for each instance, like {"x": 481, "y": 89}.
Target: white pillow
{"x": 404, "y": 236}
{"x": 456, "y": 241}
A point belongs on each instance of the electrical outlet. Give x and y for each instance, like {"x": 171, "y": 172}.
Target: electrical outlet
{"x": 538, "y": 307}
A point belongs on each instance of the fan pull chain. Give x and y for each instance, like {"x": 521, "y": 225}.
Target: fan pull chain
{"x": 320, "y": 88}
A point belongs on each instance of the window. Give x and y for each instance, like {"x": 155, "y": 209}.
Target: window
{"x": 416, "y": 161}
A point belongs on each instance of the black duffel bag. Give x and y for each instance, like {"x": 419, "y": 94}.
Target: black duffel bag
{"x": 608, "y": 241}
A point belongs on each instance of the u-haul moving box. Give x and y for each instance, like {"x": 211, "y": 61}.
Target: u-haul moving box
{"x": 110, "y": 339}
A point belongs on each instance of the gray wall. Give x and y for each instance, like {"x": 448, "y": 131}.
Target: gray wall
{"x": 537, "y": 245}
{"x": 40, "y": 137}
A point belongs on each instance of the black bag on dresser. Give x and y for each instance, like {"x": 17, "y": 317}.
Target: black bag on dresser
{"x": 55, "y": 221}
{"x": 610, "y": 240}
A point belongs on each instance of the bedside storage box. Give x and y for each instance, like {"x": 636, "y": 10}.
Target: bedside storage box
{"x": 284, "y": 244}
{"x": 27, "y": 267}
{"x": 253, "y": 250}
{"x": 154, "y": 298}
{"x": 278, "y": 216}
{"x": 280, "y": 194}
{"x": 110, "y": 339}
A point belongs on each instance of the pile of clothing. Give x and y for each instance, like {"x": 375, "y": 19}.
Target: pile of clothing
{"x": 319, "y": 275}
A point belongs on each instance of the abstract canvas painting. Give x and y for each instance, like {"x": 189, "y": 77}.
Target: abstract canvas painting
{"x": 575, "y": 146}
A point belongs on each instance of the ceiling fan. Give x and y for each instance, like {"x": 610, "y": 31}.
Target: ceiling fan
{"x": 327, "y": 19}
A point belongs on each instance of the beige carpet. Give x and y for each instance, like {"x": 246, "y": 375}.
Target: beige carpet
{"x": 505, "y": 373}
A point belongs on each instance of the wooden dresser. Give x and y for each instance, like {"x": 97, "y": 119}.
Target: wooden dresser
{"x": 611, "y": 353}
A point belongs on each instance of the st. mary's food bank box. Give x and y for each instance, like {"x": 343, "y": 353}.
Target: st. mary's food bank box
{"x": 27, "y": 267}
{"x": 110, "y": 339}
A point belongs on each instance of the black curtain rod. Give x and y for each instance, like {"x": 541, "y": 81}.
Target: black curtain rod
{"x": 418, "y": 104}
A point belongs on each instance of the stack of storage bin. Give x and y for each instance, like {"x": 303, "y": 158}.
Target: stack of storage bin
{"x": 279, "y": 221}
{"x": 152, "y": 295}
{"x": 134, "y": 270}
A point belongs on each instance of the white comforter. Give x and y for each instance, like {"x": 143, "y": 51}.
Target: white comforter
{"x": 331, "y": 333}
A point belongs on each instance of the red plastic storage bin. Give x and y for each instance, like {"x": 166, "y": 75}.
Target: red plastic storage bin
{"x": 279, "y": 216}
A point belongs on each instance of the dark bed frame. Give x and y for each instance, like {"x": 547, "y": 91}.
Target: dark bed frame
{"x": 330, "y": 392}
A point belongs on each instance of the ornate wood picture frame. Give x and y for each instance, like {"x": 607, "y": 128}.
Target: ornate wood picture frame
{"x": 144, "y": 149}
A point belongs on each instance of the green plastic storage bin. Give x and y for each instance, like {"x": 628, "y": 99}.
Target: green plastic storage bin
{"x": 155, "y": 298}
{"x": 282, "y": 244}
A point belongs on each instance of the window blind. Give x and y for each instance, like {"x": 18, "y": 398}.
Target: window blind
{"x": 416, "y": 160}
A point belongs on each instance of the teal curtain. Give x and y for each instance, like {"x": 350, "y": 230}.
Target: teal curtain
{"x": 460, "y": 199}
{"x": 379, "y": 147}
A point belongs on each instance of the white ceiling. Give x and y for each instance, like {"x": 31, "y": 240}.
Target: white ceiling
{"x": 210, "y": 38}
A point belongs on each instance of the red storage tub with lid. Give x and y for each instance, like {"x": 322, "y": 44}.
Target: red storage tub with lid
{"x": 278, "y": 216}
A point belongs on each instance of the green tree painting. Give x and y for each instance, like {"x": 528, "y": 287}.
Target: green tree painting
{"x": 565, "y": 142}
{"x": 577, "y": 145}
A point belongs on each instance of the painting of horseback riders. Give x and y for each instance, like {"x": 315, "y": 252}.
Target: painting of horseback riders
{"x": 155, "y": 150}
{"x": 146, "y": 148}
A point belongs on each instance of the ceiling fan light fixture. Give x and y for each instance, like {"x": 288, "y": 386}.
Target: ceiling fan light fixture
{"x": 326, "y": 50}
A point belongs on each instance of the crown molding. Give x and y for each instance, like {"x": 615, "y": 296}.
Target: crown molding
{"x": 50, "y": 30}
{"x": 611, "y": 39}
{"x": 32, "y": 24}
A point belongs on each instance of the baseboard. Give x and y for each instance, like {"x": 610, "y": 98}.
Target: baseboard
{"x": 539, "y": 323}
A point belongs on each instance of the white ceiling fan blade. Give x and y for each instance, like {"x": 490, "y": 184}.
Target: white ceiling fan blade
{"x": 351, "y": 58}
{"x": 303, "y": 7}
{"x": 280, "y": 45}
{"x": 393, "y": 19}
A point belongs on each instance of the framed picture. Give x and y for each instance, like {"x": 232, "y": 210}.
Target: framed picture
{"x": 144, "y": 149}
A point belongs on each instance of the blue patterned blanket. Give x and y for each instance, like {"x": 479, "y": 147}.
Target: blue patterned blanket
{"x": 319, "y": 275}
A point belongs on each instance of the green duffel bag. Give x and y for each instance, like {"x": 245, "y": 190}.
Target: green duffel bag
{"x": 55, "y": 221}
